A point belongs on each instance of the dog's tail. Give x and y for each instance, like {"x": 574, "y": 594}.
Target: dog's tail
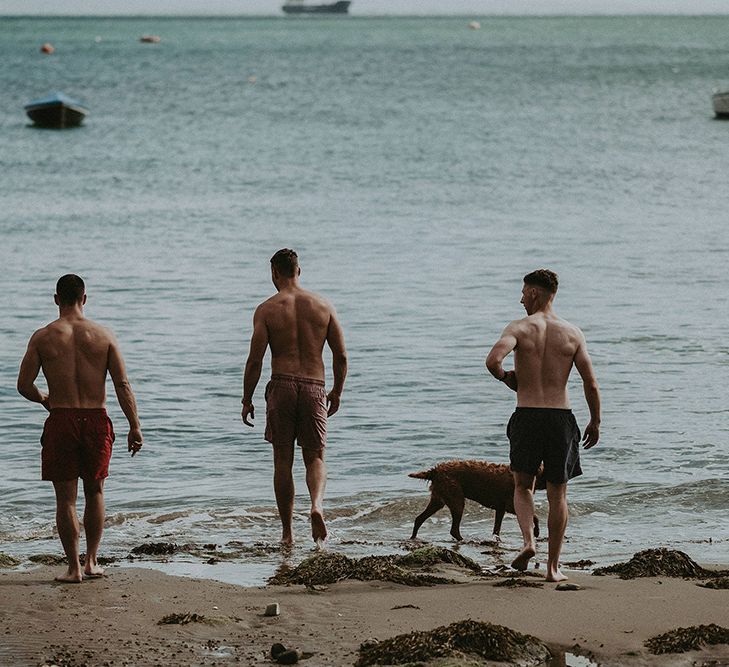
{"x": 423, "y": 474}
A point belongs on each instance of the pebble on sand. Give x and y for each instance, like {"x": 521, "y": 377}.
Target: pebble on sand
{"x": 272, "y": 609}
{"x": 566, "y": 586}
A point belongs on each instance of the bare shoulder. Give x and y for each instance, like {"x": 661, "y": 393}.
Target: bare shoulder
{"x": 317, "y": 302}
{"x": 570, "y": 329}
{"x": 95, "y": 334}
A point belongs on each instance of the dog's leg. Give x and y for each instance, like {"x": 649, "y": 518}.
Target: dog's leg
{"x": 456, "y": 502}
{"x": 500, "y": 511}
{"x": 536, "y": 526}
{"x": 433, "y": 506}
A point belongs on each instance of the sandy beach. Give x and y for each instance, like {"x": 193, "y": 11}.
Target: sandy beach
{"x": 115, "y": 620}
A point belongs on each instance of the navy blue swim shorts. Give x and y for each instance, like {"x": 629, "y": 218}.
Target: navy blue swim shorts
{"x": 545, "y": 435}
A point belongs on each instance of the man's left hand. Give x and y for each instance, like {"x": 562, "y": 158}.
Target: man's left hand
{"x": 591, "y": 435}
{"x": 332, "y": 402}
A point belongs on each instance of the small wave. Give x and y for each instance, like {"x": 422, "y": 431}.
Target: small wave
{"x": 707, "y": 494}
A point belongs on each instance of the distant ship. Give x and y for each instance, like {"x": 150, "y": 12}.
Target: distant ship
{"x": 298, "y": 7}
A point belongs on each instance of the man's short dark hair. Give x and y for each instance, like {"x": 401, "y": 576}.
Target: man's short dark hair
{"x": 286, "y": 262}
{"x": 543, "y": 278}
{"x": 70, "y": 289}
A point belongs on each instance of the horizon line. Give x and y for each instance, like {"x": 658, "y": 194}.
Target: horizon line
{"x": 375, "y": 15}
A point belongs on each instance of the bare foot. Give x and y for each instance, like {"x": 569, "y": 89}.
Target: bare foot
{"x": 93, "y": 571}
{"x": 318, "y": 528}
{"x": 69, "y": 578}
{"x": 555, "y": 576}
{"x": 521, "y": 562}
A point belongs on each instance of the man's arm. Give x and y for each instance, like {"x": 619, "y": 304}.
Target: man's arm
{"x": 583, "y": 363}
{"x": 29, "y": 368}
{"x": 125, "y": 396}
{"x": 254, "y": 364}
{"x": 335, "y": 340}
{"x": 503, "y": 347}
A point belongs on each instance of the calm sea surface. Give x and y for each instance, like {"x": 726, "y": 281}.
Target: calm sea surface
{"x": 420, "y": 169}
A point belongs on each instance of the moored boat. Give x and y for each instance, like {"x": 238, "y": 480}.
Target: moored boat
{"x": 720, "y": 102}
{"x": 56, "y": 111}
{"x": 298, "y": 7}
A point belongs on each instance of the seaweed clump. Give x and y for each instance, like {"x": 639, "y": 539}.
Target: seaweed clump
{"x": 8, "y": 561}
{"x": 519, "y": 582}
{"x": 475, "y": 638}
{"x": 47, "y": 559}
{"x": 181, "y": 619}
{"x": 718, "y": 583}
{"x": 658, "y": 563}
{"x": 156, "y": 549}
{"x": 329, "y": 568}
{"x": 429, "y": 556}
{"x": 688, "y": 639}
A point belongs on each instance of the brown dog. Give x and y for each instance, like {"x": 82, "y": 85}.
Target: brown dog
{"x": 489, "y": 484}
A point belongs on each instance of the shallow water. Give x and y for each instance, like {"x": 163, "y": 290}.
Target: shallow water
{"x": 420, "y": 169}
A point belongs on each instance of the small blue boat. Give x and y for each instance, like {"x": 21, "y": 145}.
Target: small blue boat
{"x": 56, "y": 110}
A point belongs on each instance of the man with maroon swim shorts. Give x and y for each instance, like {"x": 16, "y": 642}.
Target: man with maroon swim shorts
{"x": 75, "y": 355}
{"x": 295, "y": 324}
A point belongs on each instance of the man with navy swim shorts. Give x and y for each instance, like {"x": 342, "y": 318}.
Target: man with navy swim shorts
{"x": 543, "y": 430}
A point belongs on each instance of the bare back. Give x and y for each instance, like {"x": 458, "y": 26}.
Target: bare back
{"x": 546, "y": 347}
{"x": 74, "y": 354}
{"x": 298, "y": 325}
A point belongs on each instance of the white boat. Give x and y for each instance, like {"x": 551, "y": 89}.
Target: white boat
{"x": 720, "y": 102}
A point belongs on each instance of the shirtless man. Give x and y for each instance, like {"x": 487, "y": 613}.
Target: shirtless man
{"x": 295, "y": 323}
{"x": 543, "y": 428}
{"x": 75, "y": 355}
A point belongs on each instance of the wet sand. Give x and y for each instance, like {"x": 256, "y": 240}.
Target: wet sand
{"x": 114, "y": 620}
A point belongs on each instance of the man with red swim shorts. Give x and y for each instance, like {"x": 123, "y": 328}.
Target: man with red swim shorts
{"x": 75, "y": 355}
{"x": 295, "y": 324}
{"x": 543, "y": 430}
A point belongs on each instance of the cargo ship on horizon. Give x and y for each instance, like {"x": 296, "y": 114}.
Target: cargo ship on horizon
{"x": 298, "y": 7}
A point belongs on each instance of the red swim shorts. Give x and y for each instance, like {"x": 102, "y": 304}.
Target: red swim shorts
{"x": 76, "y": 443}
{"x": 296, "y": 409}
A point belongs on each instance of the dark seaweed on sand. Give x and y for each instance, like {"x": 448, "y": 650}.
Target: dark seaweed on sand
{"x": 181, "y": 619}
{"x": 718, "y": 583}
{"x": 8, "y": 561}
{"x": 487, "y": 641}
{"x": 519, "y": 582}
{"x": 659, "y": 563}
{"x": 156, "y": 549}
{"x": 328, "y": 568}
{"x": 688, "y": 639}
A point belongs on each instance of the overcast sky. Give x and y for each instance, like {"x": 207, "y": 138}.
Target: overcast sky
{"x": 470, "y": 7}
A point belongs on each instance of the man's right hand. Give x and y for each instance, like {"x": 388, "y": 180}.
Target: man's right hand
{"x": 509, "y": 380}
{"x": 134, "y": 440}
{"x": 247, "y": 410}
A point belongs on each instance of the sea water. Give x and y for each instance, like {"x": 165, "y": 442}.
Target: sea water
{"x": 420, "y": 169}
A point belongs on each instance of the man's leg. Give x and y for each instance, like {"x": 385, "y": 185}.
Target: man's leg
{"x": 68, "y": 529}
{"x": 524, "y": 508}
{"x": 316, "y": 480}
{"x": 557, "y": 522}
{"x": 283, "y": 486}
{"x": 93, "y": 524}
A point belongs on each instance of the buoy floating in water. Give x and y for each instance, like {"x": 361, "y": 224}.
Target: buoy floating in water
{"x": 150, "y": 39}
{"x": 47, "y": 48}
{"x": 474, "y": 25}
